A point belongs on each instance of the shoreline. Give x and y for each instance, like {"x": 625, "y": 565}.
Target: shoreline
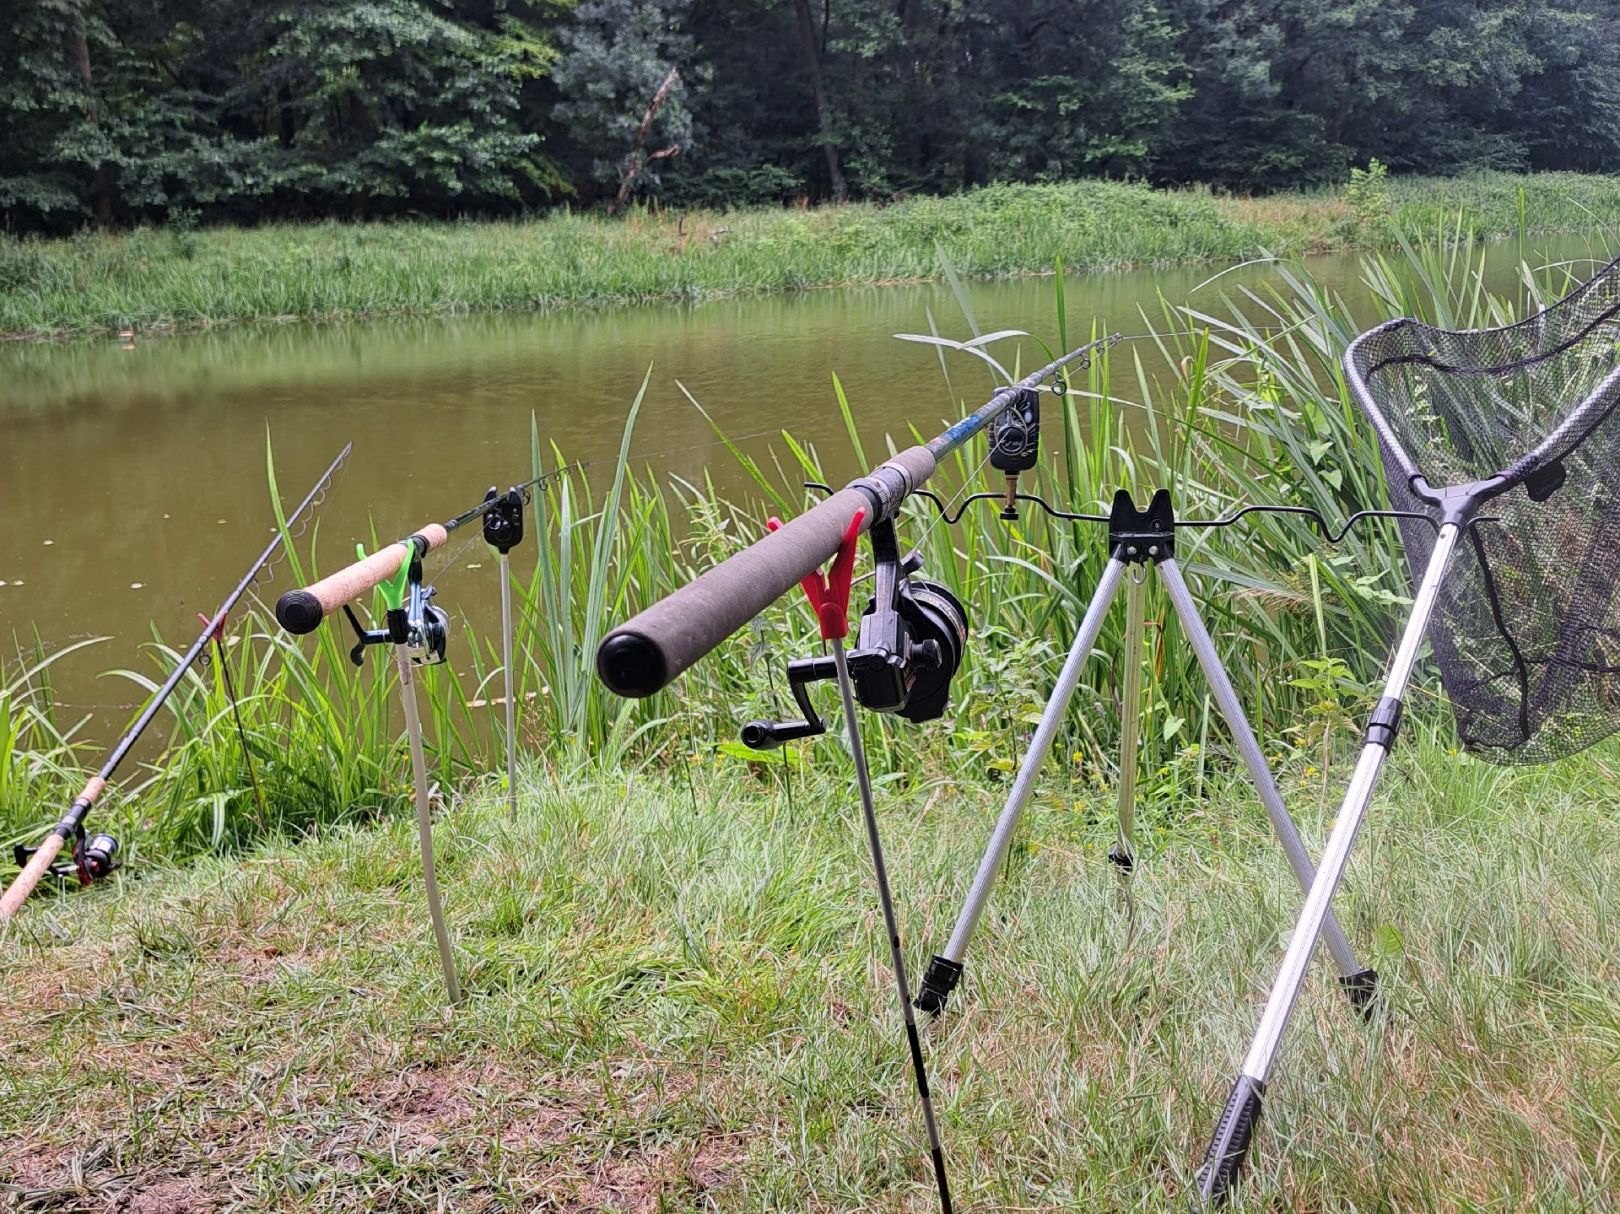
{"x": 162, "y": 282}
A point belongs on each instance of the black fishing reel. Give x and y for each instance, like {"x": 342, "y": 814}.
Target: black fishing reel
{"x": 95, "y": 858}
{"x": 911, "y": 641}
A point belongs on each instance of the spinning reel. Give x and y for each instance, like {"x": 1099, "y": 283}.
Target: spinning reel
{"x": 411, "y": 619}
{"x": 912, "y": 639}
{"x": 95, "y": 858}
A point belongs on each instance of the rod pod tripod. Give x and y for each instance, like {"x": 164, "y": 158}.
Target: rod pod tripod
{"x": 419, "y": 631}
{"x": 1137, "y": 539}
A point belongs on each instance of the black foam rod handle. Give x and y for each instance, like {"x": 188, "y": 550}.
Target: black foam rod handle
{"x": 648, "y": 652}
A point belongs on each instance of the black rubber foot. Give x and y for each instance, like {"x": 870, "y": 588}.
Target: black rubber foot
{"x": 1229, "y": 1149}
{"x": 937, "y": 984}
{"x": 1362, "y": 987}
{"x": 1122, "y": 860}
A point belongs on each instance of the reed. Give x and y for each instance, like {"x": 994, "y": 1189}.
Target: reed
{"x": 155, "y": 279}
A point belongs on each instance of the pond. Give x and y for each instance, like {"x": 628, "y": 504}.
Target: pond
{"x": 133, "y": 480}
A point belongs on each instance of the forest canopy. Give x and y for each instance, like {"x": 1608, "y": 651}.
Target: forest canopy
{"x": 124, "y": 111}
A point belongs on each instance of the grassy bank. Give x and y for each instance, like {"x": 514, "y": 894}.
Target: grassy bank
{"x": 159, "y": 279}
{"x": 1302, "y": 627}
{"x": 680, "y": 1001}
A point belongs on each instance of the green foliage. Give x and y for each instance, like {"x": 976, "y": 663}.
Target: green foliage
{"x": 1368, "y": 195}
{"x": 179, "y": 279}
{"x": 119, "y": 111}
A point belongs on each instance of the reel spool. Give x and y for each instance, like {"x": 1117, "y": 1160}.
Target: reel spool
{"x": 908, "y": 672}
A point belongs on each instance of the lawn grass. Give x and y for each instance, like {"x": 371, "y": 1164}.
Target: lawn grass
{"x": 681, "y": 1002}
{"x": 167, "y": 279}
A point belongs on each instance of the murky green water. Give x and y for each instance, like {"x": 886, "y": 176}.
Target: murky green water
{"x": 133, "y": 481}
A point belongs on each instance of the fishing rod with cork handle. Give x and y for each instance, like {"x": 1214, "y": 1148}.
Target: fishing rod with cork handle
{"x": 301, "y": 611}
{"x": 94, "y": 857}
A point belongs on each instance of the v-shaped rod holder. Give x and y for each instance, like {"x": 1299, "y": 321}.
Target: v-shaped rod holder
{"x": 912, "y": 638}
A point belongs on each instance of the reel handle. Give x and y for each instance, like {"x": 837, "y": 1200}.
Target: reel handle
{"x": 301, "y": 611}
{"x": 772, "y": 735}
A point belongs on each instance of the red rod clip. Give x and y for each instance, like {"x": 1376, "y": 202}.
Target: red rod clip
{"x": 829, "y": 592}
{"x": 218, "y": 634}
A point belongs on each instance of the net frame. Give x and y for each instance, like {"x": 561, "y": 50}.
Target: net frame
{"x": 1527, "y": 627}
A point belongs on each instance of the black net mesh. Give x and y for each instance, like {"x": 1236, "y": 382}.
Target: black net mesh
{"x": 1527, "y": 626}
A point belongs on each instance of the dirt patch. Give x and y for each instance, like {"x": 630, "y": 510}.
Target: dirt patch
{"x": 253, "y": 965}
{"x": 167, "y": 1195}
{"x": 645, "y": 1182}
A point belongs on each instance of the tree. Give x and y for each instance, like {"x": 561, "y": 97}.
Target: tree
{"x": 616, "y": 56}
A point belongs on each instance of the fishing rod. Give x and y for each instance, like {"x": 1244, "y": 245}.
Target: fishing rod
{"x": 97, "y": 856}
{"x": 301, "y": 611}
{"x": 912, "y": 635}
{"x": 418, "y": 630}
{"x": 647, "y": 653}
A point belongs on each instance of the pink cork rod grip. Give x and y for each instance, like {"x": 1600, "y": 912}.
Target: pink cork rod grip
{"x": 301, "y": 611}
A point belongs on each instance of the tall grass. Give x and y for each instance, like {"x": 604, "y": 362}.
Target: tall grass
{"x": 1256, "y": 412}
{"x": 155, "y": 280}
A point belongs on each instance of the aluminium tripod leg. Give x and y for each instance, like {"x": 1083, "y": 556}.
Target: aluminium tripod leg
{"x": 1229, "y": 1147}
{"x": 511, "y": 706}
{"x": 945, "y": 970}
{"x": 1360, "y": 984}
{"x": 1130, "y": 722}
{"x": 424, "y": 821}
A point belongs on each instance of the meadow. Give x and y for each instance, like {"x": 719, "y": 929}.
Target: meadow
{"x": 179, "y": 277}
{"x": 678, "y": 999}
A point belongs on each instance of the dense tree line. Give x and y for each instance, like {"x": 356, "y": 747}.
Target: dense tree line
{"x": 118, "y": 111}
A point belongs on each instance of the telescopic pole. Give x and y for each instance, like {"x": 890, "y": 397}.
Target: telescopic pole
{"x": 503, "y": 531}
{"x": 424, "y": 821}
{"x": 1229, "y": 1147}
{"x": 891, "y": 925}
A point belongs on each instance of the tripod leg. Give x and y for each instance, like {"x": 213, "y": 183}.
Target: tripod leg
{"x": 897, "y": 958}
{"x": 1359, "y": 984}
{"x": 424, "y": 821}
{"x": 1229, "y": 1147}
{"x": 1130, "y": 723}
{"x": 945, "y": 970}
{"x": 511, "y": 706}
